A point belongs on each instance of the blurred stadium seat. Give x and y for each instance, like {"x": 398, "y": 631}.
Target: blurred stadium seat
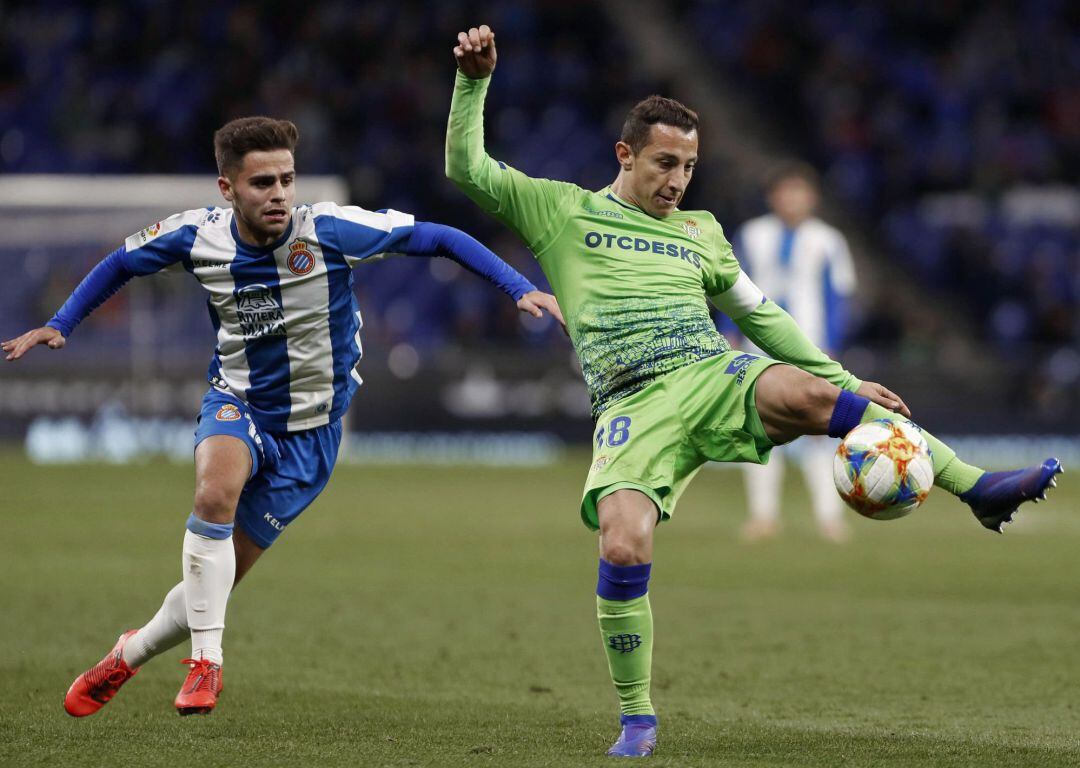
{"x": 946, "y": 133}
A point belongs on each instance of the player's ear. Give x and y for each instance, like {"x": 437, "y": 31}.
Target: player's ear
{"x": 225, "y": 187}
{"x": 625, "y": 155}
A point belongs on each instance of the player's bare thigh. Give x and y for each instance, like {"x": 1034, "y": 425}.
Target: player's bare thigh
{"x": 792, "y": 403}
{"x": 627, "y": 520}
{"x": 222, "y": 468}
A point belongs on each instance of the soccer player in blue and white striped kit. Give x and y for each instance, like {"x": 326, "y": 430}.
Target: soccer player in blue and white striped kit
{"x": 804, "y": 265}
{"x": 279, "y": 283}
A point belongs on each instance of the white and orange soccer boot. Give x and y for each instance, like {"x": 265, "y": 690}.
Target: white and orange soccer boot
{"x": 199, "y": 693}
{"x": 93, "y": 689}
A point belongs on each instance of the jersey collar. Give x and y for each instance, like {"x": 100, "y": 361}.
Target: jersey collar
{"x": 260, "y": 248}
{"x": 606, "y": 191}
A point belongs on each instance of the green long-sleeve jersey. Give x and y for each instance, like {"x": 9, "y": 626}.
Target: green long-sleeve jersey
{"x": 632, "y": 287}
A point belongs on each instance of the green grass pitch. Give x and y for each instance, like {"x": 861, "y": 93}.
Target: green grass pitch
{"x": 445, "y": 616}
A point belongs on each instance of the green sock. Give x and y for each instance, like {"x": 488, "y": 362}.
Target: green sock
{"x": 950, "y": 473}
{"x": 627, "y": 631}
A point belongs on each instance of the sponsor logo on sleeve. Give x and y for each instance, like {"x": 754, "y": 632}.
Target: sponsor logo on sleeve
{"x": 148, "y": 234}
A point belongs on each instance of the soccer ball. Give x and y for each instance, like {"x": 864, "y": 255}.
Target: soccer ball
{"x": 883, "y": 470}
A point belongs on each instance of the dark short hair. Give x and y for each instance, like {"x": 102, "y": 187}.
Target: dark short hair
{"x": 650, "y": 111}
{"x": 250, "y": 134}
{"x": 792, "y": 169}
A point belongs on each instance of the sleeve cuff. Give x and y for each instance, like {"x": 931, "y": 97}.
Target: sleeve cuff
{"x": 64, "y": 328}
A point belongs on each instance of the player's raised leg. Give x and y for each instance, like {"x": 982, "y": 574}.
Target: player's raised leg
{"x": 792, "y": 403}
{"x": 627, "y": 518}
{"x": 223, "y": 464}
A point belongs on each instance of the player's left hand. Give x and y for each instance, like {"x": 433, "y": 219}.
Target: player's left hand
{"x": 17, "y": 347}
{"x": 534, "y": 302}
{"x": 875, "y": 392}
{"x": 475, "y": 52}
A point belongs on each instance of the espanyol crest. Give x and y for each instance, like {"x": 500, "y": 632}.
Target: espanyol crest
{"x": 301, "y": 259}
{"x": 228, "y": 412}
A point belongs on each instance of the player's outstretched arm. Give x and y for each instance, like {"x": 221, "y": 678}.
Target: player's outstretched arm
{"x": 529, "y": 206}
{"x": 468, "y": 164}
{"x": 428, "y": 239}
{"x": 104, "y": 280}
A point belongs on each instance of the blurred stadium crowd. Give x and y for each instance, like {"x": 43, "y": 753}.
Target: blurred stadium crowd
{"x": 947, "y": 131}
{"x": 954, "y": 125}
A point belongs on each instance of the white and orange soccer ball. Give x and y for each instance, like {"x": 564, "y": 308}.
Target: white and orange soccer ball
{"x": 883, "y": 470}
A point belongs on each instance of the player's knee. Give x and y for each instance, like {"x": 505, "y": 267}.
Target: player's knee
{"x": 624, "y": 548}
{"x": 214, "y": 504}
{"x": 622, "y": 553}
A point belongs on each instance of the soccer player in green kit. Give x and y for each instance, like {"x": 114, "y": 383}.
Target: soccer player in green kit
{"x": 632, "y": 273}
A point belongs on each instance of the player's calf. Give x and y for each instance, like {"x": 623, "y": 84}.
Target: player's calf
{"x": 792, "y": 403}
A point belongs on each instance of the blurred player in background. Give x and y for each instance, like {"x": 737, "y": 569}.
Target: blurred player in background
{"x": 632, "y": 272}
{"x": 804, "y": 265}
{"x": 279, "y": 283}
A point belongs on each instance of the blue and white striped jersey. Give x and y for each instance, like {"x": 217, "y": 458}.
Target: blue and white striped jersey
{"x": 286, "y": 319}
{"x": 806, "y": 270}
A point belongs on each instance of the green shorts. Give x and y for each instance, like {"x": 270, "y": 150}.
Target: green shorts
{"x": 657, "y": 439}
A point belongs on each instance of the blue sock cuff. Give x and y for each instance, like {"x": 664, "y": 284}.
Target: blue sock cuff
{"x": 622, "y": 582}
{"x": 210, "y": 530}
{"x": 638, "y": 720}
{"x": 847, "y": 414}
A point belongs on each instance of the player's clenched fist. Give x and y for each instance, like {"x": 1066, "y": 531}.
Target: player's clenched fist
{"x": 475, "y": 52}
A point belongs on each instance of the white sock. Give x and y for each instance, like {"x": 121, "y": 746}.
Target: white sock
{"x": 763, "y": 484}
{"x": 817, "y": 463}
{"x": 209, "y": 569}
{"x": 166, "y": 630}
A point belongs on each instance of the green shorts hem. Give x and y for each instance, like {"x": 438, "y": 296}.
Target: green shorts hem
{"x": 591, "y": 500}
{"x": 754, "y": 426}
